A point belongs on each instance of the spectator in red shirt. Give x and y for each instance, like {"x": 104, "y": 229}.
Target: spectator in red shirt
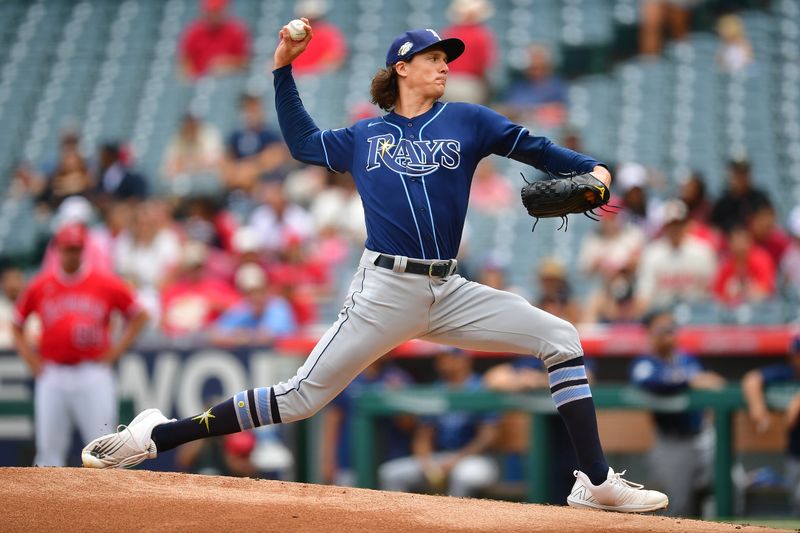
{"x": 72, "y": 364}
{"x": 195, "y": 299}
{"x": 215, "y": 43}
{"x": 747, "y": 274}
{"x": 767, "y": 234}
{"x": 328, "y": 49}
{"x": 467, "y": 80}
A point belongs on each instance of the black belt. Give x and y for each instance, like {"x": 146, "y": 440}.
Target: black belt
{"x": 438, "y": 269}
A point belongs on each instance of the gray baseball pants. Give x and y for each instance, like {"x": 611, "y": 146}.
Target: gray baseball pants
{"x": 385, "y": 308}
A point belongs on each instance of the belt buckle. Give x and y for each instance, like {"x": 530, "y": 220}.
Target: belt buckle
{"x": 432, "y": 265}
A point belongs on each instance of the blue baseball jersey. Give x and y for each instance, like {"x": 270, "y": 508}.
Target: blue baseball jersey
{"x": 414, "y": 174}
{"x": 666, "y": 377}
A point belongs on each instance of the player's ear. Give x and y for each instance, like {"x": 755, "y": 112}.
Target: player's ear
{"x": 401, "y": 67}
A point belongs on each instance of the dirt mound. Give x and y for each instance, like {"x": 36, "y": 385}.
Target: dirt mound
{"x": 69, "y": 499}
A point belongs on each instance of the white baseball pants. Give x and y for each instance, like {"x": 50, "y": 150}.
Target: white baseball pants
{"x": 469, "y": 475}
{"x": 66, "y": 396}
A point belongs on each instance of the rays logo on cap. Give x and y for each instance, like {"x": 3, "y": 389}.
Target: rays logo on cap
{"x": 405, "y": 48}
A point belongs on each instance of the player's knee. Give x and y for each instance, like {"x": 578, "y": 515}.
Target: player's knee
{"x": 566, "y": 343}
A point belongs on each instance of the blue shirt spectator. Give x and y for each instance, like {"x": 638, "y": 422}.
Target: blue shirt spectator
{"x": 254, "y": 152}
{"x": 667, "y": 377}
{"x": 454, "y": 430}
{"x": 259, "y": 318}
{"x": 755, "y": 381}
{"x": 276, "y": 317}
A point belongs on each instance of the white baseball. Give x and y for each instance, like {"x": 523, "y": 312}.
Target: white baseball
{"x": 297, "y": 30}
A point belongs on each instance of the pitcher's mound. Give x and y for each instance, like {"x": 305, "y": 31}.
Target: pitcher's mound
{"x": 69, "y": 499}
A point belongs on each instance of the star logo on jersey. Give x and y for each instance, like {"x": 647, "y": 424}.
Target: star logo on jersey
{"x": 414, "y": 158}
{"x": 205, "y": 419}
{"x": 385, "y": 145}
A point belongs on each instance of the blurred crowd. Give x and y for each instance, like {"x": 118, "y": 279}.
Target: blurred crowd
{"x": 223, "y": 201}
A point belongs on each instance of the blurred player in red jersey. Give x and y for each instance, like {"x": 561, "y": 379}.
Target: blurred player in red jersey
{"x": 72, "y": 367}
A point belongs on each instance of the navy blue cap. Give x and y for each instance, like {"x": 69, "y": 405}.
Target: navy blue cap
{"x": 415, "y": 41}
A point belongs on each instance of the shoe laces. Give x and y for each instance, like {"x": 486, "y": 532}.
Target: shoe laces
{"x": 617, "y": 479}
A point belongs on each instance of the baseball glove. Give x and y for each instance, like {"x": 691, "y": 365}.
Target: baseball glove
{"x": 564, "y": 196}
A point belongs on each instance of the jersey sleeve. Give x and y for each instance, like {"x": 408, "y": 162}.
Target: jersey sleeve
{"x": 26, "y": 303}
{"x": 498, "y": 135}
{"x": 122, "y": 297}
{"x": 329, "y": 148}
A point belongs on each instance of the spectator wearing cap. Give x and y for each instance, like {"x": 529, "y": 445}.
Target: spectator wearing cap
{"x": 254, "y": 152}
{"x": 555, "y": 292}
{"x": 78, "y": 210}
{"x": 468, "y": 79}
{"x": 739, "y": 200}
{"x": 790, "y": 264}
{"x": 195, "y": 151}
{"x": 540, "y": 96}
{"x": 754, "y": 384}
{"x": 114, "y": 180}
{"x": 680, "y": 460}
{"x": 328, "y": 49}
{"x": 632, "y": 182}
{"x": 449, "y": 449}
{"x": 215, "y": 43}
{"x": 259, "y": 318}
{"x": 746, "y": 273}
{"x": 676, "y": 267}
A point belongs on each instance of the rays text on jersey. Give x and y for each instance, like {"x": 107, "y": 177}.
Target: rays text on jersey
{"x": 412, "y": 157}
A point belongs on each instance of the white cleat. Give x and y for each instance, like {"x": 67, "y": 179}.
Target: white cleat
{"x": 128, "y": 447}
{"x": 615, "y": 494}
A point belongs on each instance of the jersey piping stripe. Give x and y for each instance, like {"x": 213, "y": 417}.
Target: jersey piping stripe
{"x": 325, "y": 151}
{"x": 433, "y": 225}
{"x": 346, "y": 318}
{"x": 519, "y": 136}
{"x": 408, "y": 197}
{"x": 425, "y": 188}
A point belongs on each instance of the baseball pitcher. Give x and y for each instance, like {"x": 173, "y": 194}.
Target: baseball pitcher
{"x": 413, "y": 168}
